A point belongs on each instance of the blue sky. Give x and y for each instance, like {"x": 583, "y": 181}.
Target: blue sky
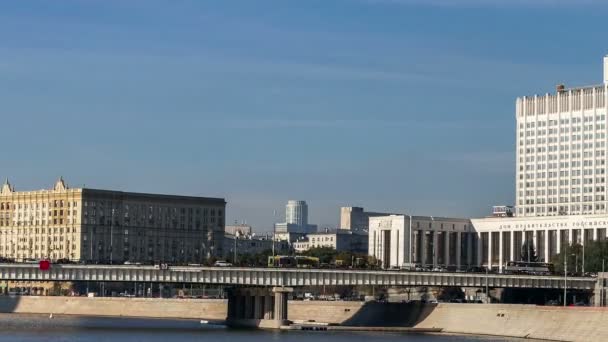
{"x": 397, "y": 105}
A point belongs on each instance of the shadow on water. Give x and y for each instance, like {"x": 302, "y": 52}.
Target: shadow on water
{"x": 62, "y": 323}
{"x": 8, "y": 303}
{"x": 376, "y": 314}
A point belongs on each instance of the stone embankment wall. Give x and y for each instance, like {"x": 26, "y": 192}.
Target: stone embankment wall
{"x": 528, "y": 321}
{"x": 536, "y": 322}
{"x": 106, "y": 306}
{"x": 211, "y": 309}
{"x": 323, "y": 311}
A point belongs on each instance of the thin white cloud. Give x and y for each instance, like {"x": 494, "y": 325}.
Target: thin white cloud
{"x": 491, "y": 3}
{"x": 333, "y": 123}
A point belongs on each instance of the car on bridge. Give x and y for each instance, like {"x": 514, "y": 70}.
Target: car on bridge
{"x": 222, "y": 263}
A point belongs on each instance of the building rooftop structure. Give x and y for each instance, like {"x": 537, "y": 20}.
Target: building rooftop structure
{"x": 242, "y": 229}
{"x": 357, "y": 219}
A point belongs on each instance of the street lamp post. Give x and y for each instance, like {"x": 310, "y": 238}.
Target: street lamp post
{"x": 527, "y": 245}
{"x": 602, "y": 294}
{"x": 583, "y": 266}
{"x": 234, "y": 258}
{"x": 565, "y": 276}
{"x": 112, "y": 237}
{"x": 274, "y": 229}
{"x": 487, "y": 290}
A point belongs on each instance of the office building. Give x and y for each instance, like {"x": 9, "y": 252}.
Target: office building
{"x": 340, "y": 239}
{"x": 561, "y": 151}
{"x": 82, "y": 224}
{"x": 296, "y": 212}
{"x": 560, "y": 185}
{"x": 356, "y": 219}
{"x": 403, "y": 241}
{"x": 296, "y": 219}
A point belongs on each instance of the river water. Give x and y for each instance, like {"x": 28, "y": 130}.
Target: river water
{"x": 34, "y": 328}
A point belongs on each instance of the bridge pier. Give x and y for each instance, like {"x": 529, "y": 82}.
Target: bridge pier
{"x": 599, "y": 293}
{"x": 258, "y": 307}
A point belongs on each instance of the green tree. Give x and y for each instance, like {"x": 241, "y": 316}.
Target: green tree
{"x": 528, "y": 252}
{"x": 595, "y": 253}
{"x": 254, "y": 259}
{"x": 326, "y": 255}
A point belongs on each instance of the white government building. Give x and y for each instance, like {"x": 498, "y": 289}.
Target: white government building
{"x": 404, "y": 240}
{"x": 561, "y": 191}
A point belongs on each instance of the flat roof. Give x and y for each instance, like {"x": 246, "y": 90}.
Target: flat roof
{"x": 150, "y": 196}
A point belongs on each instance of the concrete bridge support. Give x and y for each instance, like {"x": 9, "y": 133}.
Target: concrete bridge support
{"x": 259, "y": 307}
{"x": 599, "y": 293}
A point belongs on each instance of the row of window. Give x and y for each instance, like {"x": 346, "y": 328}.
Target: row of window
{"x": 564, "y": 209}
{"x": 563, "y": 191}
{"x": 22, "y": 223}
{"x": 555, "y": 156}
{"x": 37, "y": 205}
{"x": 562, "y": 174}
{"x": 563, "y": 199}
{"x": 565, "y": 165}
{"x": 561, "y": 130}
{"x": 566, "y": 121}
{"x": 37, "y": 231}
{"x": 555, "y": 148}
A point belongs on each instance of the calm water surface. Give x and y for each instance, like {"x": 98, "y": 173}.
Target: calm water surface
{"x": 26, "y": 328}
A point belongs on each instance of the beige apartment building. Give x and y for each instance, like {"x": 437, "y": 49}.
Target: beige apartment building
{"x": 105, "y": 226}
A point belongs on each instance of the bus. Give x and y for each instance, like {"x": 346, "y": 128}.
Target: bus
{"x": 287, "y": 261}
{"x": 524, "y": 267}
{"x": 307, "y": 262}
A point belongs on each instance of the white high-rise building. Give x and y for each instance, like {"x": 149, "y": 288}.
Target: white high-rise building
{"x": 296, "y": 222}
{"x": 561, "y": 189}
{"x": 561, "y": 151}
{"x": 296, "y": 212}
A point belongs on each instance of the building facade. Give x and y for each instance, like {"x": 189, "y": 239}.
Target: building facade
{"x": 242, "y": 229}
{"x": 560, "y": 177}
{"x": 105, "y": 226}
{"x": 398, "y": 241}
{"x": 356, "y": 219}
{"x": 502, "y": 239}
{"x": 341, "y": 240}
{"x": 561, "y": 152}
{"x": 296, "y": 212}
{"x": 251, "y": 244}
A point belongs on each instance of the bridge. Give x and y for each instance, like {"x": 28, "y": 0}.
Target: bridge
{"x": 258, "y": 296}
{"x": 285, "y": 277}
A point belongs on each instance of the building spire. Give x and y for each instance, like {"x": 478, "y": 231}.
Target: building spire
{"x": 60, "y": 185}
{"x": 6, "y": 187}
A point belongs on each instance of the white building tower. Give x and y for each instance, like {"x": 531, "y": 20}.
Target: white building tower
{"x": 296, "y": 212}
{"x": 561, "y": 151}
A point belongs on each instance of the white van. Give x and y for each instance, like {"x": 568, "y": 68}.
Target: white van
{"x": 221, "y": 263}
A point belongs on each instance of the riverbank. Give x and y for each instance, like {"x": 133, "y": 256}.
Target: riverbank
{"x": 522, "y": 321}
{"x": 39, "y": 328}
